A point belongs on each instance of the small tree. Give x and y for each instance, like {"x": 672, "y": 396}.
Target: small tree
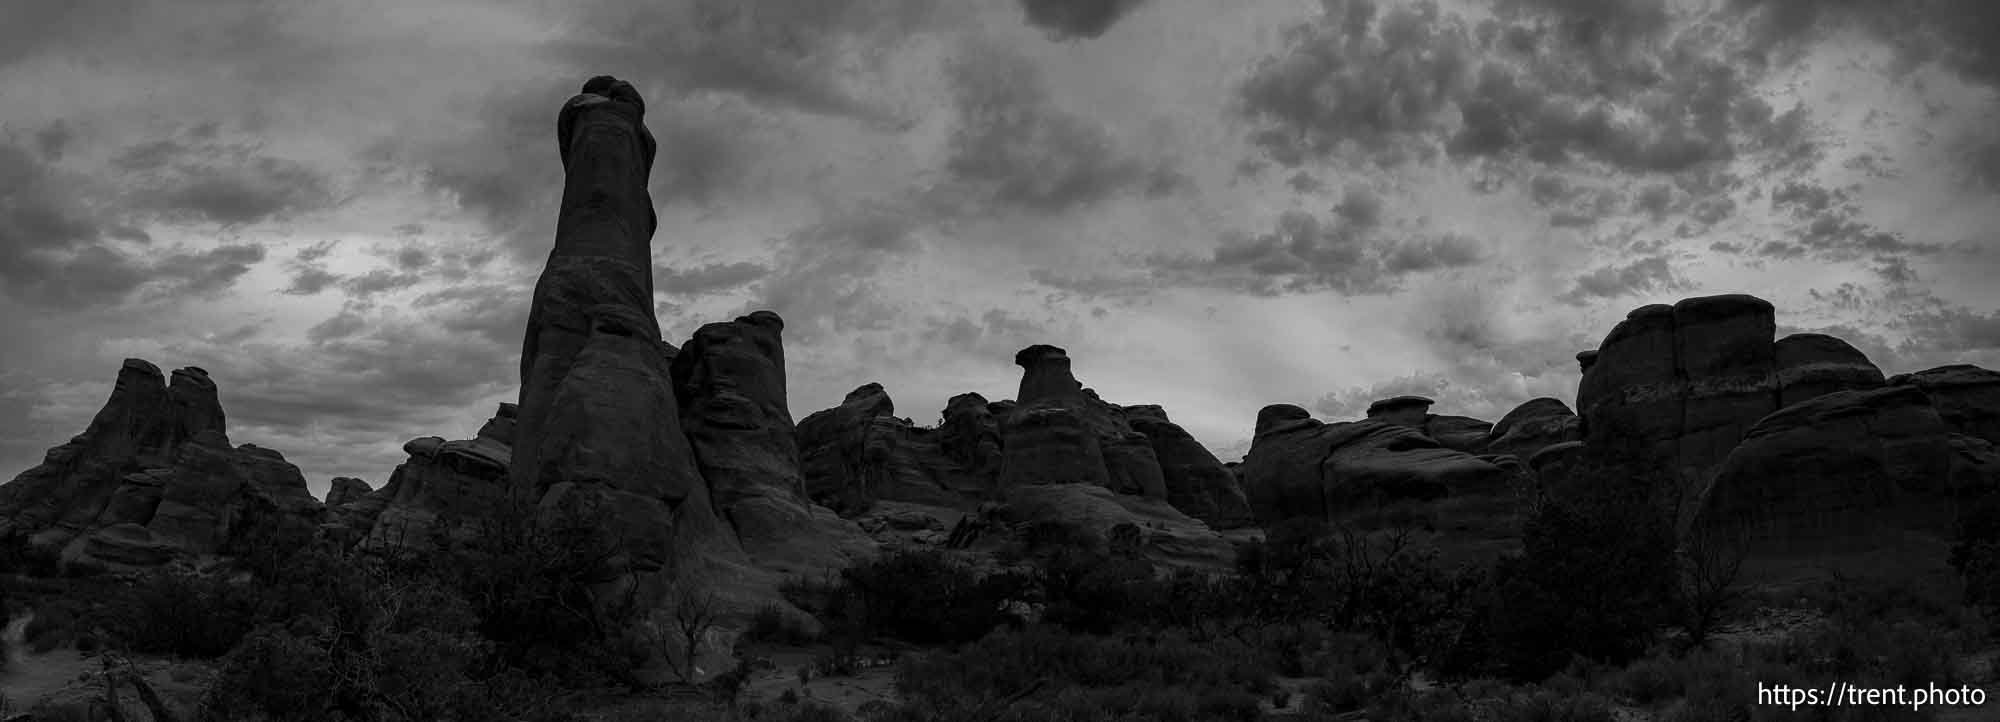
{"x": 1711, "y": 561}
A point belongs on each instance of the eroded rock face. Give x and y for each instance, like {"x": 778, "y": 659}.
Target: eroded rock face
{"x": 1298, "y": 466}
{"x": 1532, "y": 427}
{"x": 1458, "y": 433}
{"x": 1683, "y": 382}
{"x": 1967, "y": 397}
{"x": 1197, "y": 483}
{"x": 731, "y": 379}
{"x": 457, "y": 482}
{"x": 154, "y": 478}
{"x": 1140, "y": 527}
{"x": 859, "y": 452}
{"x": 1845, "y": 472}
{"x": 1814, "y": 364}
{"x": 1405, "y": 410}
{"x": 346, "y": 489}
{"x": 599, "y": 427}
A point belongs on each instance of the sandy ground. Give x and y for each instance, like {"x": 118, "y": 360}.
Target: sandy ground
{"x": 29, "y": 677}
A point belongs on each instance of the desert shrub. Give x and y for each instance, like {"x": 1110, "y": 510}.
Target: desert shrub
{"x": 17, "y": 556}
{"x": 772, "y": 624}
{"x": 187, "y": 615}
{"x": 918, "y": 596}
{"x": 1596, "y": 578}
{"x": 1048, "y": 674}
{"x": 1542, "y": 705}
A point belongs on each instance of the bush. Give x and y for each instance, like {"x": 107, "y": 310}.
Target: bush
{"x": 1596, "y": 579}
{"x": 187, "y": 615}
{"x": 1049, "y": 674}
{"x": 916, "y": 596}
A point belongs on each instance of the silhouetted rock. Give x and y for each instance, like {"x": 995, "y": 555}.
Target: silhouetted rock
{"x": 1157, "y": 531}
{"x": 1683, "y": 382}
{"x": 970, "y": 437}
{"x": 1849, "y": 472}
{"x": 346, "y": 489}
{"x": 1197, "y": 483}
{"x": 458, "y": 482}
{"x": 1533, "y": 426}
{"x": 1406, "y": 410}
{"x": 154, "y": 478}
{"x": 859, "y": 452}
{"x": 1967, "y": 397}
{"x": 1814, "y": 364}
{"x": 731, "y": 378}
{"x": 1459, "y": 433}
{"x": 599, "y": 425}
{"x": 1298, "y": 466}
{"x": 1047, "y": 439}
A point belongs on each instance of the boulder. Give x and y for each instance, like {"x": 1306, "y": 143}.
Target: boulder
{"x": 1845, "y": 472}
{"x": 1967, "y": 397}
{"x": 1459, "y": 433}
{"x": 1533, "y": 426}
{"x": 1298, "y": 466}
{"x": 1405, "y": 410}
{"x": 1815, "y": 364}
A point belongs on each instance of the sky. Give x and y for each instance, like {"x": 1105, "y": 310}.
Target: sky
{"x": 338, "y": 207}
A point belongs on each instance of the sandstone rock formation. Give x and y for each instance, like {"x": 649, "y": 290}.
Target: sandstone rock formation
{"x": 1845, "y": 472}
{"x": 1967, "y": 397}
{"x": 457, "y": 483}
{"x": 346, "y": 489}
{"x": 599, "y": 427}
{"x": 154, "y": 478}
{"x": 1533, "y": 426}
{"x": 859, "y": 452}
{"x": 1299, "y": 466}
{"x": 730, "y": 379}
{"x": 1814, "y": 364}
{"x": 1683, "y": 382}
{"x": 1197, "y": 483}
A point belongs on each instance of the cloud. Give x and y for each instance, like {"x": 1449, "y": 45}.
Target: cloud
{"x": 1026, "y": 153}
{"x": 1065, "y": 19}
{"x": 194, "y": 180}
{"x": 1651, "y": 274}
{"x": 707, "y": 279}
{"x": 1349, "y": 254}
{"x": 824, "y": 281}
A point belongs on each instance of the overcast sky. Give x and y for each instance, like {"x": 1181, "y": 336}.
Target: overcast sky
{"x": 338, "y": 207}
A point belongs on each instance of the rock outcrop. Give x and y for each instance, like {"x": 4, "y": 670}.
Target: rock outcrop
{"x": 154, "y": 478}
{"x": 346, "y": 489}
{"x": 1197, "y": 483}
{"x": 1967, "y": 397}
{"x": 731, "y": 383}
{"x": 1533, "y": 426}
{"x": 453, "y": 483}
{"x": 599, "y": 429}
{"x": 859, "y": 452}
{"x": 1299, "y": 466}
{"x": 1864, "y": 471}
{"x": 1683, "y": 383}
{"x": 1814, "y": 364}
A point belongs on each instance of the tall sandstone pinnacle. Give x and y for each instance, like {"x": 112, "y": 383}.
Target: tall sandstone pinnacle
{"x": 599, "y": 421}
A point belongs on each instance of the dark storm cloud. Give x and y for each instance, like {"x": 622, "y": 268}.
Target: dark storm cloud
{"x": 1955, "y": 329}
{"x": 53, "y": 139}
{"x": 1015, "y": 144}
{"x": 1348, "y": 254}
{"x": 1065, "y": 19}
{"x": 825, "y": 279}
{"x": 707, "y": 279}
{"x": 495, "y": 312}
{"x": 1646, "y": 275}
{"x": 1550, "y": 82}
{"x": 378, "y": 281}
{"x": 788, "y": 54}
{"x": 59, "y": 245}
{"x": 338, "y": 326}
{"x": 184, "y": 180}
{"x": 1823, "y": 225}
{"x": 1956, "y": 34}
